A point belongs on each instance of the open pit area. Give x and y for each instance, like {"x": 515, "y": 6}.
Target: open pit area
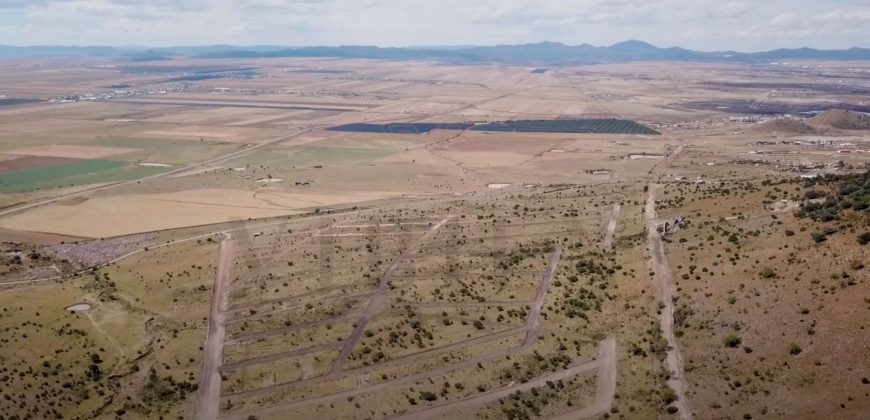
{"x": 364, "y": 239}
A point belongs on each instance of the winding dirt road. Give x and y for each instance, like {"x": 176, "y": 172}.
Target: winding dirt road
{"x": 208, "y": 394}
{"x": 665, "y": 279}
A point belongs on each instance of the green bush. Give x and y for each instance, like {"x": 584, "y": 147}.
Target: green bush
{"x": 668, "y": 395}
{"x": 731, "y": 341}
{"x": 852, "y": 193}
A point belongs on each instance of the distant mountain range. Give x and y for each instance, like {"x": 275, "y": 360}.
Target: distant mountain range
{"x": 543, "y": 53}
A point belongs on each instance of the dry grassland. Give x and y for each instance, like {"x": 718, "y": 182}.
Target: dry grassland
{"x": 447, "y": 274}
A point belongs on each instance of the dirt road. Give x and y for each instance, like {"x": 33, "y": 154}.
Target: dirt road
{"x": 611, "y": 226}
{"x": 380, "y": 301}
{"x": 606, "y": 363}
{"x": 229, "y": 367}
{"x": 256, "y": 335}
{"x": 606, "y": 384}
{"x": 398, "y": 361}
{"x": 531, "y": 329}
{"x": 665, "y": 279}
{"x": 533, "y": 323}
{"x": 208, "y": 394}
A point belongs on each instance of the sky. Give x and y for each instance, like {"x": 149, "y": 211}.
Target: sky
{"x": 708, "y": 25}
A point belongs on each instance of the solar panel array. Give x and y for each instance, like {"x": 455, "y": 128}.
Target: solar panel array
{"x": 603, "y": 126}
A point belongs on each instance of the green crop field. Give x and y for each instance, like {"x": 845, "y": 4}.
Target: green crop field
{"x": 70, "y": 174}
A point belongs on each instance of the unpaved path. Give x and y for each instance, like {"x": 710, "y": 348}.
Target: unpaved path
{"x": 533, "y": 323}
{"x": 109, "y": 337}
{"x": 380, "y": 301}
{"x": 531, "y": 329}
{"x": 208, "y": 394}
{"x": 606, "y": 384}
{"x": 605, "y": 363}
{"x": 665, "y": 279}
{"x": 229, "y": 367}
{"x": 469, "y": 304}
{"x": 611, "y": 226}
{"x": 420, "y": 376}
{"x": 256, "y": 335}
{"x": 240, "y": 315}
{"x": 366, "y": 369}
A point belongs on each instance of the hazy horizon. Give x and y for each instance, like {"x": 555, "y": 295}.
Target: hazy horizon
{"x": 445, "y": 46}
{"x": 704, "y": 25}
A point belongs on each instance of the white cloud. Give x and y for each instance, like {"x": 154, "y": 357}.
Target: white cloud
{"x": 699, "y": 24}
{"x": 846, "y": 16}
{"x": 786, "y": 20}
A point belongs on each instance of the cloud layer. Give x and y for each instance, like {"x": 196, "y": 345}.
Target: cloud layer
{"x": 698, "y": 24}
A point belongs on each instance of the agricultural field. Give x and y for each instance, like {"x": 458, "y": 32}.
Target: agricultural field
{"x": 280, "y": 238}
{"x": 70, "y": 174}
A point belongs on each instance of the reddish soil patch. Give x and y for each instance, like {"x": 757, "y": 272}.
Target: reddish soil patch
{"x": 31, "y": 162}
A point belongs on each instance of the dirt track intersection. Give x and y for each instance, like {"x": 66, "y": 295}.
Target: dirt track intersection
{"x": 385, "y": 301}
